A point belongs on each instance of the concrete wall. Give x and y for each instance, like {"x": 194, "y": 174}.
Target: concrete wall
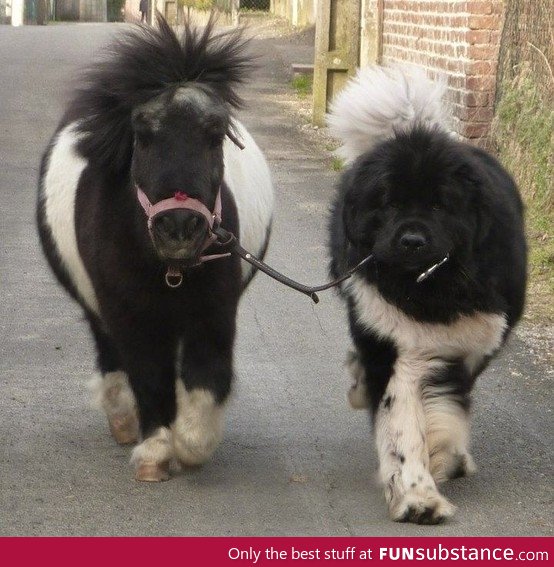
{"x": 81, "y": 10}
{"x": 169, "y": 9}
{"x": 300, "y": 13}
{"x": 93, "y": 11}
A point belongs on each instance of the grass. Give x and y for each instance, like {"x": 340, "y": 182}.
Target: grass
{"x": 337, "y": 163}
{"x": 523, "y": 132}
{"x": 302, "y": 84}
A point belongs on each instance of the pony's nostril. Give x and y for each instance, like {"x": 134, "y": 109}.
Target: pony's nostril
{"x": 166, "y": 226}
{"x": 178, "y": 226}
{"x": 413, "y": 240}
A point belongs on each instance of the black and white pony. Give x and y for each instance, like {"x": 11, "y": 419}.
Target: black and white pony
{"x": 155, "y": 118}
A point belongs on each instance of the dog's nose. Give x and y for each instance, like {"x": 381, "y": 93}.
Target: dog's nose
{"x": 413, "y": 241}
{"x": 179, "y": 225}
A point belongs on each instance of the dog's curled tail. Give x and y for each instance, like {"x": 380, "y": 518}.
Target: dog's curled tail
{"x": 381, "y": 101}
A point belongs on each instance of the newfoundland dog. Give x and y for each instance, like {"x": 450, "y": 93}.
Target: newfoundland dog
{"x": 443, "y": 223}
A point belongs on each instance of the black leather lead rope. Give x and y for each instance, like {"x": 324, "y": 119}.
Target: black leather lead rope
{"x": 226, "y": 238}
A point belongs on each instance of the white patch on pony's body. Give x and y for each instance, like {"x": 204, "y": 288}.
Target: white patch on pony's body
{"x": 249, "y": 179}
{"x": 421, "y": 432}
{"x": 112, "y": 393}
{"x": 381, "y": 101}
{"x": 60, "y": 183}
{"x": 198, "y": 426}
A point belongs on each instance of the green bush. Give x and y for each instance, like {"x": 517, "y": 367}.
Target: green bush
{"x": 523, "y": 133}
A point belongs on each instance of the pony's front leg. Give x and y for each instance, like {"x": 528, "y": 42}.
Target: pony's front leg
{"x": 150, "y": 364}
{"x": 205, "y": 382}
{"x": 112, "y": 390}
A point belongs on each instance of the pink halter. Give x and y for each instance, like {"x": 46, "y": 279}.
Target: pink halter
{"x": 179, "y": 201}
{"x": 182, "y": 201}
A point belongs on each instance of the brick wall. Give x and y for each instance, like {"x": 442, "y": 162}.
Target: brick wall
{"x": 456, "y": 38}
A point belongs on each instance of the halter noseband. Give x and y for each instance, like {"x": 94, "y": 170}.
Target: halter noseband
{"x": 180, "y": 200}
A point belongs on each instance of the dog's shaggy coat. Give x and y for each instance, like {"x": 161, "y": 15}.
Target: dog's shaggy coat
{"x": 414, "y": 196}
{"x": 154, "y": 114}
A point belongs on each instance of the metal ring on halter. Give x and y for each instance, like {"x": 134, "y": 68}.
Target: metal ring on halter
{"x": 177, "y": 277}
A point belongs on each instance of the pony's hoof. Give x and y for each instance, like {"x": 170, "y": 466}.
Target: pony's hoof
{"x": 124, "y": 428}
{"x": 152, "y": 472}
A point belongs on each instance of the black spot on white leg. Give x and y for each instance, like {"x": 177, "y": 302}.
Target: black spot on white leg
{"x": 388, "y": 402}
{"x": 399, "y": 456}
{"x": 463, "y": 465}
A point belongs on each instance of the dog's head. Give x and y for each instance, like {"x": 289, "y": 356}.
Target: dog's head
{"x": 414, "y": 200}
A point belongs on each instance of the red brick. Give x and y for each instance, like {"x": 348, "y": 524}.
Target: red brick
{"x": 471, "y": 99}
{"x": 491, "y": 22}
{"x": 478, "y": 36}
{"x": 474, "y": 129}
{"x": 480, "y": 83}
{"x": 479, "y": 7}
{"x": 480, "y": 67}
{"x": 487, "y": 52}
{"x": 478, "y": 114}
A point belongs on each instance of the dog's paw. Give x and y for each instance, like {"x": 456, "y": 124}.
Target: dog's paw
{"x": 446, "y": 466}
{"x": 421, "y": 506}
{"x": 357, "y": 395}
{"x": 464, "y": 466}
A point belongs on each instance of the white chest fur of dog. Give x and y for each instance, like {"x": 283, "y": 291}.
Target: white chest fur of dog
{"x": 471, "y": 337}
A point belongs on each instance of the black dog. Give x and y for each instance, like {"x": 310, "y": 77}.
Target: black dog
{"x": 443, "y": 221}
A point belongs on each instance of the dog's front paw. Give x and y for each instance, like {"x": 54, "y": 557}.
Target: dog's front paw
{"x": 357, "y": 395}
{"x": 446, "y": 466}
{"x": 421, "y": 506}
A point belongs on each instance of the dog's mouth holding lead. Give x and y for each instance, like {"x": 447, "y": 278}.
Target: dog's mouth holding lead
{"x": 405, "y": 240}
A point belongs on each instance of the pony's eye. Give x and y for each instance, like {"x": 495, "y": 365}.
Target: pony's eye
{"x": 143, "y": 129}
{"x": 143, "y": 137}
{"x": 215, "y": 138}
{"x": 436, "y": 206}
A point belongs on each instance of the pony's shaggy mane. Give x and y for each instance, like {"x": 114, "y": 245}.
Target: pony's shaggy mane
{"x": 140, "y": 65}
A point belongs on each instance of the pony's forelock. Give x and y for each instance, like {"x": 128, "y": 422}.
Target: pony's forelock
{"x": 141, "y": 64}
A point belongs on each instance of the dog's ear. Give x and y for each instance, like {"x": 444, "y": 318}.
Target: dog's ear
{"x": 355, "y": 213}
{"x": 473, "y": 182}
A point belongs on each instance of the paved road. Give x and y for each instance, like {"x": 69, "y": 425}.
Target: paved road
{"x": 295, "y": 460}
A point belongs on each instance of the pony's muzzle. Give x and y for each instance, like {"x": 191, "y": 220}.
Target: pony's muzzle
{"x": 179, "y": 234}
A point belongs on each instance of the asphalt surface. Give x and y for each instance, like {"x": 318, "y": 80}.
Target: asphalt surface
{"x": 296, "y": 460}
